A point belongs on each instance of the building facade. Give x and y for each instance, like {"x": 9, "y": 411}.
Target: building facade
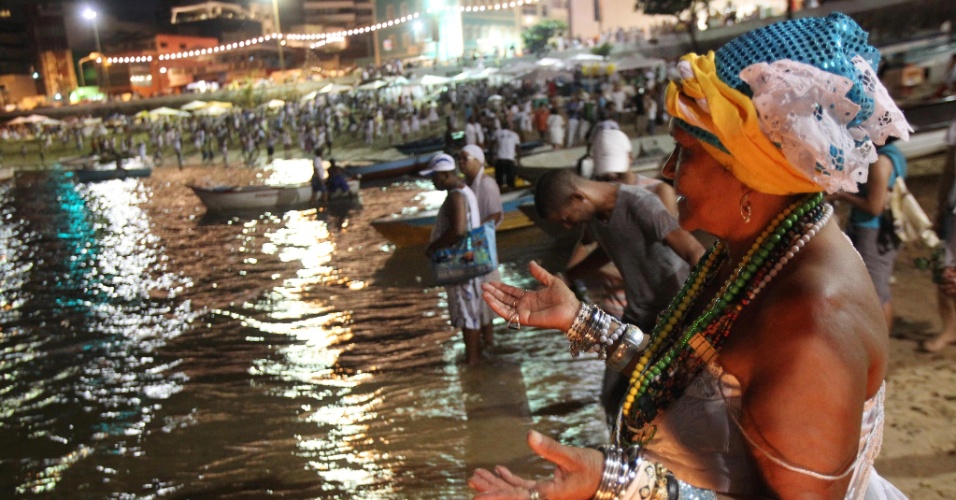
{"x": 447, "y": 30}
{"x": 33, "y": 46}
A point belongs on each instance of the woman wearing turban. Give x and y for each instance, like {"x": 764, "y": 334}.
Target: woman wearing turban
{"x": 765, "y": 375}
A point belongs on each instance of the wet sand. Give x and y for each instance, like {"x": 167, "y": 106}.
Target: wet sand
{"x": 919, "y": 442}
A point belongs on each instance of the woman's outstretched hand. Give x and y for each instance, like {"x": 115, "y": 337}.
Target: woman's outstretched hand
{"x": 553, "y": 306}
{"x": 576, "y": 476}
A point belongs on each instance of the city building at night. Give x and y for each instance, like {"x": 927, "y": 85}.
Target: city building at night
{"x": 461, "y": 29}
{"x": 35, "y": 60}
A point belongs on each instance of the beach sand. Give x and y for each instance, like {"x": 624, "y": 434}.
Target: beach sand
{"x": 919, "y": 441}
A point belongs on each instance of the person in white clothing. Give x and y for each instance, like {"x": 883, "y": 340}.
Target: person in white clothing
{"x": 473, "y": 132}
{"x": 506, "y": 156}
{"x": 471, "y": 162}
{"x": 457, "y": 214}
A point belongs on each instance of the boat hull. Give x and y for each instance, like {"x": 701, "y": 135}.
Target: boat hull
{"x": 388, "y": 169}
{"x": 415, "y": 230}
{"x": 97, "y": 175}
{"x": 267, "y": 197}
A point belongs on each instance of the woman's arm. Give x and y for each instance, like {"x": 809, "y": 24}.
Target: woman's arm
{"x": 877, "y": 186}
{"x": 458, "y": 214}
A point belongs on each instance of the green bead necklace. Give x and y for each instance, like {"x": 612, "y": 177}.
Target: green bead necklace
{"x": 676, "y": 355}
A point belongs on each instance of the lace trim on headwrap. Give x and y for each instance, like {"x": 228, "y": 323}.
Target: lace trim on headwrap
{"x": 817, "y": 106}
{"x": 806, "y": 111}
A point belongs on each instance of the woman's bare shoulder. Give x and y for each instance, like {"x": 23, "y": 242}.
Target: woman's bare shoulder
{"x": 825, "y": 305}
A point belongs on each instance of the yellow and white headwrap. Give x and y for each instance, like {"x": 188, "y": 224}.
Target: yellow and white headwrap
{"x": 794, "y": 107}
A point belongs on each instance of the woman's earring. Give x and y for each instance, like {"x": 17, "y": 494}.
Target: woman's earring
{"x": 745, "y": 209}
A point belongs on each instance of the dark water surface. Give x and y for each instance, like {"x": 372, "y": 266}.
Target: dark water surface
{"x": 148, "y": 351}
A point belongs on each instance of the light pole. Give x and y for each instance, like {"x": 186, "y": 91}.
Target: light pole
{"x": 91, "y": 15}
{"x": 278, "y": 31}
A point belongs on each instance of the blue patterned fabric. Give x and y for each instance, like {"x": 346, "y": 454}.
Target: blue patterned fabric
{"x": 828, "y": 43}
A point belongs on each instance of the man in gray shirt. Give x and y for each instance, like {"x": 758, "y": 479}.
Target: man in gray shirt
{"x": 633, "y": 230}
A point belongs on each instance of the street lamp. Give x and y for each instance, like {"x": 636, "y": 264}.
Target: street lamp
{"x": 278, "y": 31}
{"x": 90, "y": 14}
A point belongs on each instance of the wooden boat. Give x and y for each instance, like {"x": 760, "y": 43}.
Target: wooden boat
{"x": 383, "y": 170}
{"x": 924, "y": 143}
{"x": 236, "y": 198}
{"x": 415, "y": 229}
{"x": 6, "y": 174}
{"x": 423, "y": 146}
{"x": 94, "y": 170}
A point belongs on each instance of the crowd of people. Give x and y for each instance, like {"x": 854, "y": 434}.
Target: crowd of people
{"x": 745, "y": 336}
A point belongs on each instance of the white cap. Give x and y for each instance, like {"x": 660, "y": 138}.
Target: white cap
{"x": 475, "y": 152}
{"x": 610, "y": 149}
{"x": 439, "y": 163}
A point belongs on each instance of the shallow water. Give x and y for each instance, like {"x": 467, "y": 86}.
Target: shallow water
{"x": 147, "y": 350}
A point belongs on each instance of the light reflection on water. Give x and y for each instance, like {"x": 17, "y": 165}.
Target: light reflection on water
{"x": 146, "y": 352}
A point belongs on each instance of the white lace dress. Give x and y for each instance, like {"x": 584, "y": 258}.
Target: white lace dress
{"x": 699, "y": 440}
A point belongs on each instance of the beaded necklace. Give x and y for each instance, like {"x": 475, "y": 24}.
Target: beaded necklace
{"x": 676, "y": 355}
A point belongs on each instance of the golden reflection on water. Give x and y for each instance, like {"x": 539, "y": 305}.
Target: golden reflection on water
{"x": 294, "y": 354}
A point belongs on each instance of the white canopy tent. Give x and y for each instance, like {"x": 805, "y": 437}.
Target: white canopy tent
{"x": 429, "y": 80}
{"x": 211, "y": 111}
{"x": 164, "y": 111}
{"x": 335, "y": 88}
{"x": 194, "y": 105}
{"x": 637, "y": 61}
{"x": 26, "y": 120}
{"x": 373, "y": 85}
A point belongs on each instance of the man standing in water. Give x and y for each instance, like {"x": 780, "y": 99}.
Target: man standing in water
{"x": 318, "y": 178}
{"x": 471, "y": 160}
{"x": 458, "y": 213}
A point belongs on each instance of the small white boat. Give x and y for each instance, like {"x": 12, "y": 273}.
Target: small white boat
{"x": 6, "y": 173}
{"x": 226, "y": 198}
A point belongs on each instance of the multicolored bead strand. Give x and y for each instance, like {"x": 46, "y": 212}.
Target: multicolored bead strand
{"x": 674, "y": 355}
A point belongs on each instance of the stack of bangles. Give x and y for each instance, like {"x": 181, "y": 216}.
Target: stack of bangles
{"x": 591, "y": 331}
{"x": 621, "y": 468}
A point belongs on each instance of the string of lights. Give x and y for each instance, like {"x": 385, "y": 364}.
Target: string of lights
{"x": 319, "y": 38}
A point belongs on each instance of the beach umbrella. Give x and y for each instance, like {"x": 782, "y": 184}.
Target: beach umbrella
{"x": 211, "y": 111}
{"x": 23, "y": 120}
{"x": 637, "y": 62}
{"x": 434, "y": 80}
{"x": 373, "y": 85}
{"x": 549, "y": 62}
{"x": 142, "y": 114}
{"x": 164, "y": 111}
{"x": 309, "y": 96}
{"x": 275, "y": 104}
{"x": 586, "y": 57}
{"x": 194, "y": 105}
{"x": 219, "y": 104}
{"x": 334, "y": 88}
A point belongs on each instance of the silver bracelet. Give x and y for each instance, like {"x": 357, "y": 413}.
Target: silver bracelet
{"x": 610, "y": 478}
{"x": 633, "y": 342}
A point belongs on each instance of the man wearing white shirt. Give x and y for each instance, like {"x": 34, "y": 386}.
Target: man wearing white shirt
{"x": 506, "y": 156}
{"x": 471, "y": 162}
{"x": 473, "y": 132}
